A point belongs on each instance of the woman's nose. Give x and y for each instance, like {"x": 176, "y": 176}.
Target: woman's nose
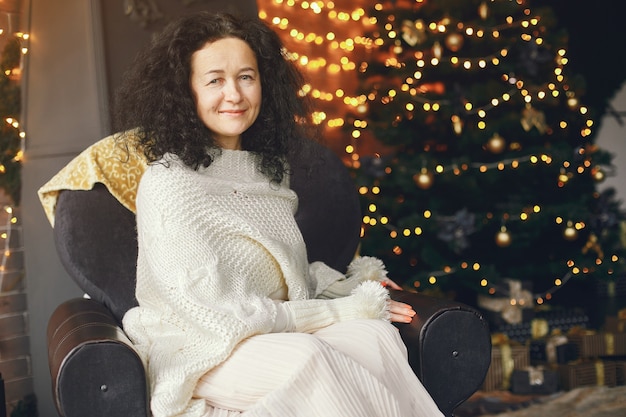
{"x": 232, "y": 92}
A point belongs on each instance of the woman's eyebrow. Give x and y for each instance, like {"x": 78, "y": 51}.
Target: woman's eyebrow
{"x": 221, "y": 71}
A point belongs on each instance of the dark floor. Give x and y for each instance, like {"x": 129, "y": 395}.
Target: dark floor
{"x": 495, "y": 402}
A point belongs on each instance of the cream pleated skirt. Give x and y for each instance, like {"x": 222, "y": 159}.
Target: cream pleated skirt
{"x": 352, "y": 369}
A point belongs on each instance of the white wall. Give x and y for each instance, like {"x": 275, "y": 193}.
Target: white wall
{"x": 61, "y": 116}
{"x": 612, "y": 137}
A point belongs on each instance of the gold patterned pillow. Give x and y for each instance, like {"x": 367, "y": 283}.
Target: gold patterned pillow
{"x": 111, "y": 161}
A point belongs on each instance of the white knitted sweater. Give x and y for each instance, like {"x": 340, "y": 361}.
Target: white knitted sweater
{"x": 214, "y": 245}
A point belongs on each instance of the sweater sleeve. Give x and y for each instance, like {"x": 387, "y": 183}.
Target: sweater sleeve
{"x": 367, "y": 300}
{"x": 329, "y": 283}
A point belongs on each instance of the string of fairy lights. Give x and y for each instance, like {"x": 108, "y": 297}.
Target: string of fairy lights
{"x": 335, "y": 50}
{"x": 454, "y": 33}
{"x": 344, "y": 102}
{"x": 13, "y": 75}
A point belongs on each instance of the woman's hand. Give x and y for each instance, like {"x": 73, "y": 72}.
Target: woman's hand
{"x": 401, "y": 312}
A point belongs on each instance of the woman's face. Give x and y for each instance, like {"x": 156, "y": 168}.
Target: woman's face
{"x": 226, "y": 85}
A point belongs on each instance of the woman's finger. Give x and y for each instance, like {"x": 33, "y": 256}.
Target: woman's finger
{"x": 391, "y": 284}
{"x": 401, "y": 312}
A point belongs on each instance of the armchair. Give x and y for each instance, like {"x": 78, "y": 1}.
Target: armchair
{"x": 94, "y": 368}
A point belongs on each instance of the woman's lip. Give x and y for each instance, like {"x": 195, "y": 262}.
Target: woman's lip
{"x": 232, "y": 111}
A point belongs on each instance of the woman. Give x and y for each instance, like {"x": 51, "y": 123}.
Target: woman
{"x": 232, "y": 319}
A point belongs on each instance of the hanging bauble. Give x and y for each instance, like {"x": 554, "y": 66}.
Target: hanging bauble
{"x": 397, "y": 48}
{"x": 454, "y": 41}
{"x": 424, "y": 179}
{"x": 437, "y": 50}
{"x": 563, "y": 176}
{"x": 597, "y": 174}
{"x": 496, "y": 144}
{"x": 503, "y": 237}
{"x": 570, "y": 232}
{"x": 457, "y": 124}
{"x": 483, "y": 10}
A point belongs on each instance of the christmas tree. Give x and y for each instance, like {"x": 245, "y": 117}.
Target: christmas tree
{"x": 10, "y": 105}
{"x": 487, "y": 171}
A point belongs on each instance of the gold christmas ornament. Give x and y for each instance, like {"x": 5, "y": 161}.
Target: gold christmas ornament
{"x": 572, "y": 102}
{"x": 598, "y": 174}
{"x": 570, "y": 233}
{"x": 424, "y": 179}
{"x": 454, "y": 41}
{"x": 397, "y": 49}
{"x": 496, "y": 144}
{"x": 457, "y": 124}
{"x": 437, "y": 50}
{"x": 532, "y": 117}
{"x": 503, "y": 237}
{"x": 483, "y": 10}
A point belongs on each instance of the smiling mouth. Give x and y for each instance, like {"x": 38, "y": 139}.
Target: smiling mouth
{"x": 235, "y": 112}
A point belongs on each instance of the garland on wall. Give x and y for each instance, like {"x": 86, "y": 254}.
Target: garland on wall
{"x": 11, "y": 136}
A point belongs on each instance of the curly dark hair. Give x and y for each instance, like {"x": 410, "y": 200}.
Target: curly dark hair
{"x": 155, "y": 98}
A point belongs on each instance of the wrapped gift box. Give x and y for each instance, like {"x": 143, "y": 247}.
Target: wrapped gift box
{"x": 620, "y": 371}
{"x": 564, "y": 320}
{"x": 599, "y": 344}
{"x": 505, "y": 358}
{"x": 615, "y": 325}
{"x": 588, "y": 373}
{"x": 555, "y": 349}
{"x": 534, "y": 380}
{"x": 542, "y": 324}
